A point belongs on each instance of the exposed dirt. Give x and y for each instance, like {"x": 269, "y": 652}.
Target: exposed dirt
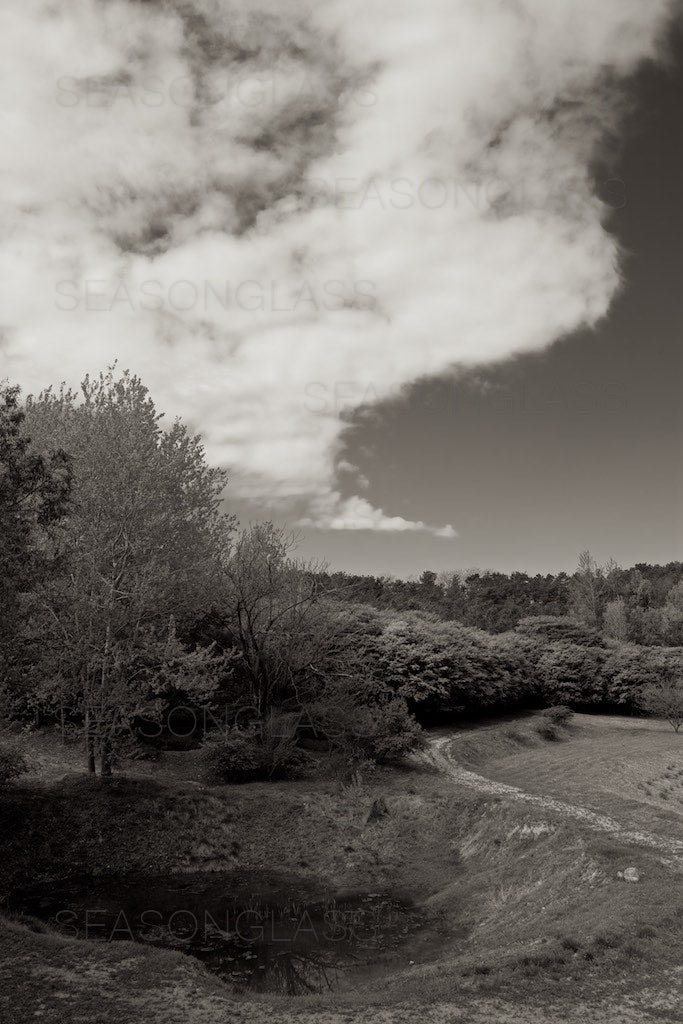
{"x": 554, "y": 937}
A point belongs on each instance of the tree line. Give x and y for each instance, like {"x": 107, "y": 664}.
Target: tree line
{"x": 640, "y": 605}
{"x": 127, "y": 589}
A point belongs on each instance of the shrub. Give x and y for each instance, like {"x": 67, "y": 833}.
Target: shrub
{"x": 393, "y": 733}
{"x": 546, "y": 730}
{"x": 560, "y": 714}
{"x": 381, "y": 730}
{"x": 247, "y": 756}
{"x": 558, "y": 629}
{"x": 664, "y": 700}
{"x": 12, "y": 765}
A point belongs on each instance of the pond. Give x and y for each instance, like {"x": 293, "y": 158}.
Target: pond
{"x": 273, "y": 934}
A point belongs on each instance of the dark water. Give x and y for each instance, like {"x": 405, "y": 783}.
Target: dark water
{"x": 273, "y": 934}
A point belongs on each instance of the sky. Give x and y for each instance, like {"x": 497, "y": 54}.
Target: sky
{"x": 414, "y": 277}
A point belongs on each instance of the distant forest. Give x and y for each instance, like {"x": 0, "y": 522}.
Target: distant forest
{"x": 640, "y": 605}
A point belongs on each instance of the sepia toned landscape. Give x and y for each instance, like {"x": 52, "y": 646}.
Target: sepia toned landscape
{"x": 341, "y": 517}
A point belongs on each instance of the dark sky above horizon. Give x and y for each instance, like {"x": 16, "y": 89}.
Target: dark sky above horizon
{"x": 578, "y": 447}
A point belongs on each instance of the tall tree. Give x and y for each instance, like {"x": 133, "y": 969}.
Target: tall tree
{"x": 587, "y": 590}
{"x": 614, "y": 622}
{"x": 281, "y": 622}
{"x": 34, "y": 491}
{"x": 141, "y": 549}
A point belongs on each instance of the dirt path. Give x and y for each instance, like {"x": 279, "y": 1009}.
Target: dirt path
{"x": 438, "y": 754}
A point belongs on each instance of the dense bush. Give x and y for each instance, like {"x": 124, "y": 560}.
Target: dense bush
{"x": 249, "y": 756}
{"x": 442, "y": 667}
{"x": 573, "y": 674}
{"x": 367, "y": 721}
{"x": 12, "y": 765}
{"x": 550, "y": 629}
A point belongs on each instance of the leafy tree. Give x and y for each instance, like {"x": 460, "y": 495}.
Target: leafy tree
{"x": 288, "y": 633}
{"x": 646, "y": 626}
{"x": 572, "y": 674}
{"x": 34, "y": 491}
{"x": 629, "y": 669}
{"x": 440, "y": 668}
{"x": 672, "y": 615}
{"x": 365, "y": 720}
{"x": 665, "y": 700}
{"x": 614, "y": 623}
{"x": 550, "y": 628}
{"x": 587, "y": 590}
{"x": 141, "y": 553}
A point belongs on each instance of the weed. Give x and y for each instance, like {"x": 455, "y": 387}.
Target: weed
{"x": 607, "y": 940}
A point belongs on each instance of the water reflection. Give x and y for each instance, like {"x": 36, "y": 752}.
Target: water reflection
{"x": 260, "y": 934}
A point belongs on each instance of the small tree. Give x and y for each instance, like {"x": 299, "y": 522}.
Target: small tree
{"x": 587, "y": 589}
{"x": 665, "y": 700}
{"x": 278, "y": 618}
{"x": 614, "y": 622}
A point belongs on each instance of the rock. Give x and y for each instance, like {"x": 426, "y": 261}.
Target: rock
{"x": 629, "y": 875}
{"x": 378, "y": 810}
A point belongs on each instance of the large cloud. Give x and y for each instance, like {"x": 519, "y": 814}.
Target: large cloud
{"x": 278, "y": 212}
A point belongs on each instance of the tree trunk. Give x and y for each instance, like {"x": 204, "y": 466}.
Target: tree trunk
{"x": 105, "y": 761}
{"x": 89, "y": 746}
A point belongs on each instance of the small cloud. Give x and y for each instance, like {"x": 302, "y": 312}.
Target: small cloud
{"x": 355, "y": 513}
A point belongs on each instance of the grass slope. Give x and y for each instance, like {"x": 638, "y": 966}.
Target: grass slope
{"x": 628, "y": 768}
{"x": 534, "y": 925}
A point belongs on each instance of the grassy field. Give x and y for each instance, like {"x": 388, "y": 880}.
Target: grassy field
{"x": 629, "y": 768}
{"x": 534, "y": 923}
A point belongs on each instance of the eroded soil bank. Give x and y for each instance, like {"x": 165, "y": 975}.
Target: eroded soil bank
{"x": 532, "y": 912}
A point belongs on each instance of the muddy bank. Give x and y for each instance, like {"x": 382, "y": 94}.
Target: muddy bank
{"x": 540, "y": 897}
